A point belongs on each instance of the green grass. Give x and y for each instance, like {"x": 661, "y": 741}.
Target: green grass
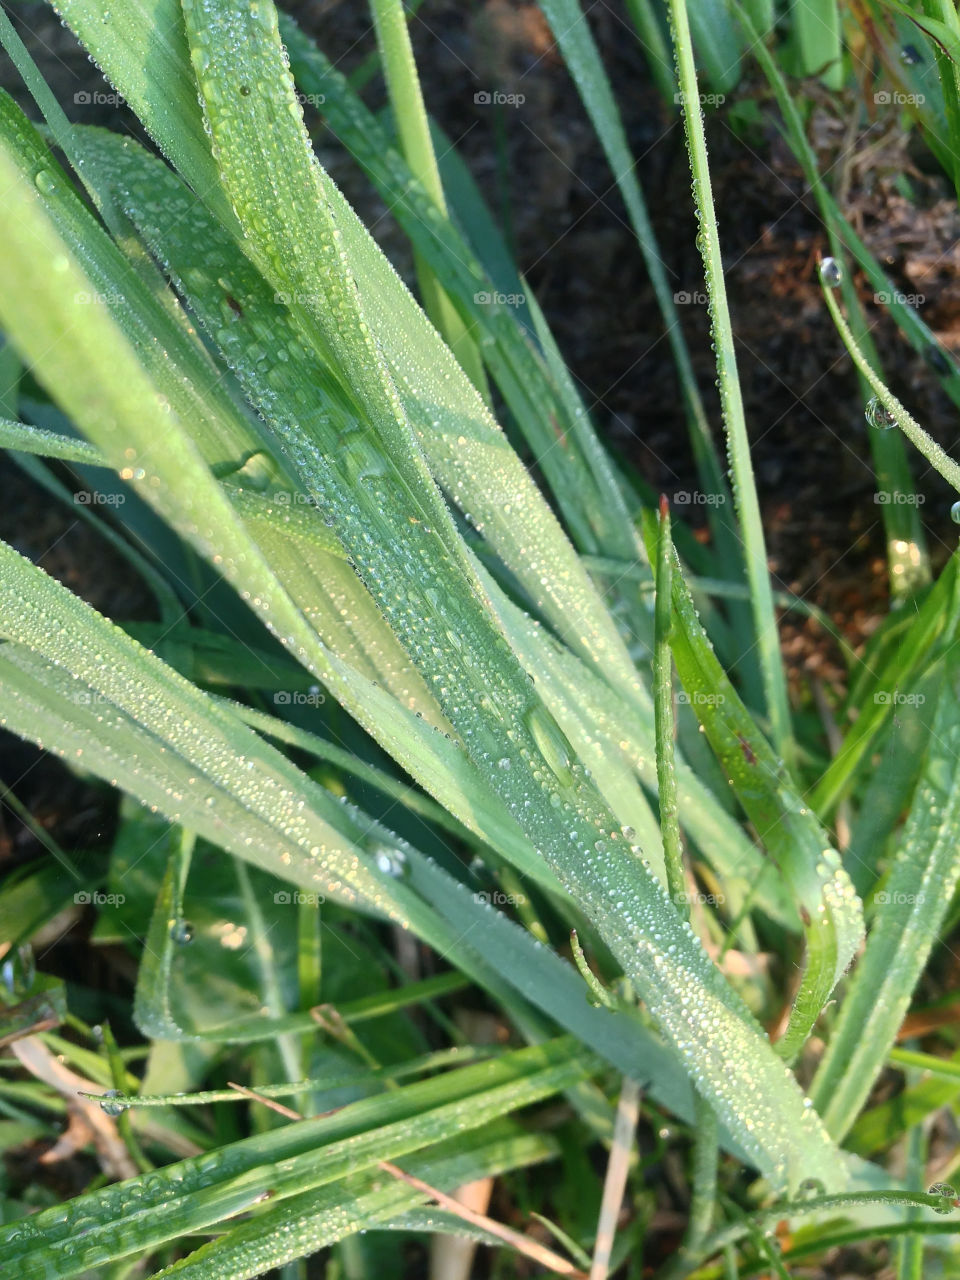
{"x": 422, "y": 738}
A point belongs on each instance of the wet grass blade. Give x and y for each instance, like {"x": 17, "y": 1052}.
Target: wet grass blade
{"x": 304, "y": 1224}
{"x": 820, "y": 888}
{"x": 403, "y": 86}
{"x": 180, "y": 1198}
{"x": 886, "y": 402}
{"x": 915, "y": 900}
{"x": 550, "y": 414}
{"x": 745, "y": 493}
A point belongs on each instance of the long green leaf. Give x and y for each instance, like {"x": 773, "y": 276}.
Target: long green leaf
{"x": 745, "y": 493}
{"x": 915, "y": 901}
{"x": 281, "y": 1163}
{"x": 821, "y": 889}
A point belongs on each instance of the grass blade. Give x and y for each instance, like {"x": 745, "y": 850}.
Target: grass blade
{"x": 745, "y": 493}
{"x": 922, "y": 881}
{"x": 403, "y": 85}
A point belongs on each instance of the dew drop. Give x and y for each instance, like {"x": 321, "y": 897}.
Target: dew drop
{"x": 181, "y": 932}
{"x": 955, "y": 513}
{"x": 949, "y": 1194}
{"x": 878, "y": 415}
{"x": 112, "y": 1108}
{"x": 831, "y": 273}
{"x": 811, "y": 1187}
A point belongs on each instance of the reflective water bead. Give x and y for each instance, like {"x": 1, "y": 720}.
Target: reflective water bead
{"x": 181, "y": 932}
{"x": 949, "y": 1194}
{"x": 878, "y": 415}
{"x": 831, "y": 273}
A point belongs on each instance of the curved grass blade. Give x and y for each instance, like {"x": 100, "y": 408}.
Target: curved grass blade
{"x": 938, "y": 458}
{"x": 914, "y": 903}
{"x": 47, "y": 444}
{"x": 821, "y": 889}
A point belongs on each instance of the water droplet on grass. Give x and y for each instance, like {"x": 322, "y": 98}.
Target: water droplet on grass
{"x": 955, "y": 513}
{"x": 878, "y": 415}
{"x": 112, "y": 1108}
{"x": 831, "y": 273}
{"x": 811, "y": 1187}
{"x": 949, "y": 1194}
{"x": 181, "y": 932}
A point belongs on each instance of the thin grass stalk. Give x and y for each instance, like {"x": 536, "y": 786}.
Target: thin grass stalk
{"x": 745, "y": 492}
{"x": 413, "y": 131}
{"x": 938, "y": 458}
{"x": 663, "y": 715}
